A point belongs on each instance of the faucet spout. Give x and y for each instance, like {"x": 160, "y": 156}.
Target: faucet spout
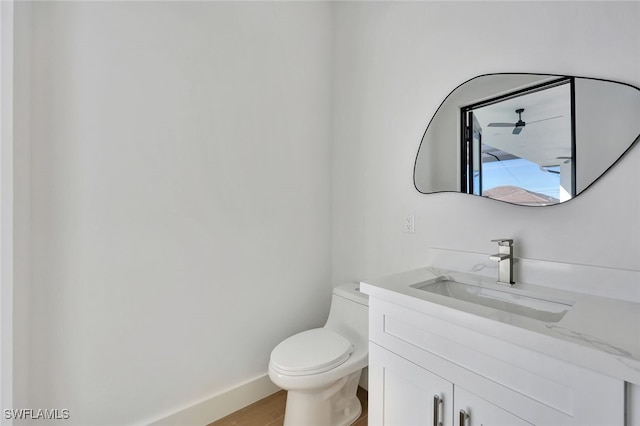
{"x": 504, "y": 257}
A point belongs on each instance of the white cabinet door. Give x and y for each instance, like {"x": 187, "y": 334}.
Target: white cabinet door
{"x": 471, "y": 410}
{"x": 404, "y": 394}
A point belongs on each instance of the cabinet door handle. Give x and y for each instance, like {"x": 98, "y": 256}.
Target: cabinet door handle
{"x": 463, "y": 418}
{"x": 437, "y": 410}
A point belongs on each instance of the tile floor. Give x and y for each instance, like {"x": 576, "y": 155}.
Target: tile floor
{"x": 270, "y": 412}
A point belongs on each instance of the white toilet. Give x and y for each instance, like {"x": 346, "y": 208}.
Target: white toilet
{"x": 321, "y": 368}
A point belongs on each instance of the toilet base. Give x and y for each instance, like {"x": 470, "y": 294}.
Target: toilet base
{"x": 337, "y": 405}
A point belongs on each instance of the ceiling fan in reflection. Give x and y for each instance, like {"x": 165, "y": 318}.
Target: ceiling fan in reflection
{"x": 519, "y": 125}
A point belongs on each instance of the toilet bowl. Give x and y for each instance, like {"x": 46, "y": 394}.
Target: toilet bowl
{"x": 321, "y": 368}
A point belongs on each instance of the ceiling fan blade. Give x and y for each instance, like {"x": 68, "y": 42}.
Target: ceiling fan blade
{"x": 517, "y": 130}
{"x": 545, "y": 119}
{"x": 500, "y": 125}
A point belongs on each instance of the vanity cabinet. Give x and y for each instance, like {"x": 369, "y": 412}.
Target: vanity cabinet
{"x": 425, "y": 370}
{"x": 407, "y": 394}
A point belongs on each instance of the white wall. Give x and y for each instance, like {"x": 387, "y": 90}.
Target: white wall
{"x": 6, "y": 207}
{"x": 180, "y": 198}
{"x": 184, "y": 185}
{"x": 22, "y": 202}
{"x": 393, "y": 65}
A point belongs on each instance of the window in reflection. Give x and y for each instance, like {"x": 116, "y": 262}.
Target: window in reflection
{"x": 519, "y": 147}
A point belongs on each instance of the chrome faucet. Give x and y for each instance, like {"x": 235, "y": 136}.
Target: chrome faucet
{"x": 504, "y": 257}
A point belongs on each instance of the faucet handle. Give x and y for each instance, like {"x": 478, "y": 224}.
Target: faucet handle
{"x": 503, "y": 241}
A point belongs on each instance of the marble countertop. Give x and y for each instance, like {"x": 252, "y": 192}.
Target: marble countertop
{"x": 599, "y": 333}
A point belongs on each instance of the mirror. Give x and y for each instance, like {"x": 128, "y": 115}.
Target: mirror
{"x": 527, "y": 139}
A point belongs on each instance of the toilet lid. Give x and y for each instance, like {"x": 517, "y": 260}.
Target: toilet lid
{"x": 311, "y": 352}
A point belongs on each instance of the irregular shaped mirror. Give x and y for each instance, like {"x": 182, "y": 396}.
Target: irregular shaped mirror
{"x": 528, "y": 139}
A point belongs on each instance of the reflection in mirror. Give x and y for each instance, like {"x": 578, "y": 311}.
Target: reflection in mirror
{"x": 527, "y": 139}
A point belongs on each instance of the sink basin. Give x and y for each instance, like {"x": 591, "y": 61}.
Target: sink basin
{"x": 507, "y": 300}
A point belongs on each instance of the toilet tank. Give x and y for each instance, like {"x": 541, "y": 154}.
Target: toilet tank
{"x": 349, "y": 313}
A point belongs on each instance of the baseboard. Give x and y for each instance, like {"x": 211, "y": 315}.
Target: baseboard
{"x": 220, "y": 405}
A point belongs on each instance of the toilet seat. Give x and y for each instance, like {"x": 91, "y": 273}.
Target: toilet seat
{"x": 310, "y": 352}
